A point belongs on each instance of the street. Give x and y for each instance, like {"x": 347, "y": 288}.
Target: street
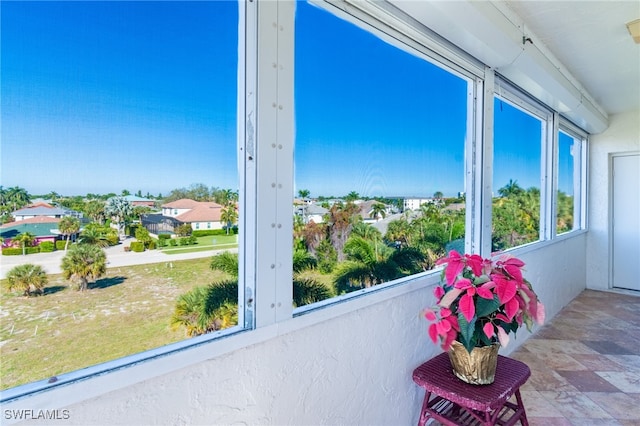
{"x": 116, "y": 256}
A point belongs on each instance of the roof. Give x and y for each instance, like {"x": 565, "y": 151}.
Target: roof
{"x": 38, "y": 226}
{"x": 136, "y": 199}
{"x": 202, "y": 212}
{"x": 41, "y": 210}
{"x": 186, "y": 203}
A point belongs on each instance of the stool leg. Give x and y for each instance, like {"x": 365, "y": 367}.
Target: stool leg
{"x": 422, "y": 420}
{"x": 523, "y": 416}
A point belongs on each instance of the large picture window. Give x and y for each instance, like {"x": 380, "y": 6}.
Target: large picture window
{"x": 379, "y": 159}
{"x": 119, "y": 141}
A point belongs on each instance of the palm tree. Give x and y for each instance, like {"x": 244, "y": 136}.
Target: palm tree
{"x": 370, "y": 263}
{"x": 119, "y": 209}
{"x": 28, "y": 278}
{"x": 95, "y": 210}
{"x": 303, "y": 193}
{"x": 352, "y": 196}
{"x": 510, "y": 189}
{"x": 206, "y": 309}
{"x": 25, "y": 239}
{"x": 225, "y": 262}
{"x": 91, "y": 235}
{"x": 68, "y": 226}
{"x": 377, "y": 210}
{"x": 188, "y": 311}
{"x": 19, "y": 197}
{"x": 229, "y": 215}
{"x": 82, "y": 263}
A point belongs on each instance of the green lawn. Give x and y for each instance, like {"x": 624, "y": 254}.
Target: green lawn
{"x": 211, "y": 242}
{"x": 125, "y": 312}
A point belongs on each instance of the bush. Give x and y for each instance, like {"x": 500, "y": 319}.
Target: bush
{"x": 137, "y": 246}
{"x": 193, "y": 240}
{"x": 151, "y": 245}
{"x": 207, "y": 232}
{"x": 173, "y": 242}
{"x": 17, "y": 251}
{"x": 60, "y": 244}
{"x": 184, "y": 241}
{"x": 47, "y": 247}
{"x": 162, "y": 242}
{"x": 164, "y": 237}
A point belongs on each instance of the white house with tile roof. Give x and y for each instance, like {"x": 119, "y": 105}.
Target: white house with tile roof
{"x": 202, "y": 215}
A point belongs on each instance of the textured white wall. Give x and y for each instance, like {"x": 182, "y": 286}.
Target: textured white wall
{"x": 353, "y": 369}
{"x": 623, "y": 135}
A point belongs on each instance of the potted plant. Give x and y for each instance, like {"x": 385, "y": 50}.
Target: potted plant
{"x": 479, "y": 303}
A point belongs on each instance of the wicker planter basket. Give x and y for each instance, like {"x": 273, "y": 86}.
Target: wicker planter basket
{"x": 477, "y": 367}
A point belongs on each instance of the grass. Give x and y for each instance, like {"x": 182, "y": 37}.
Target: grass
{"x": 210, "y": 242}
{"x": 124, "y": 313}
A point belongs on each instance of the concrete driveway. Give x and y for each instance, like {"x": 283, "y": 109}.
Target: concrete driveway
{"x": 116, "y": 256}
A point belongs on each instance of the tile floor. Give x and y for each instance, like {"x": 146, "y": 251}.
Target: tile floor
{"x": 585, "y": 364}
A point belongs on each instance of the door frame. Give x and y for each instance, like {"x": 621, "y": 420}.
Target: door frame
{"x": 612, "y": 156}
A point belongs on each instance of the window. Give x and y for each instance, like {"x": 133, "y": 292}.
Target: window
{"x": 379, "y": 158}
{"x": 519, "y": 137}
{"x": 570, "y": 182}
{"x": 121, "y": 97}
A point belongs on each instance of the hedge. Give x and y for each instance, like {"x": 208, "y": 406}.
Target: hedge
{"x": 60, "y": 244}
{"x": 17, "y": 251}
{"x": 47, "y": 247}
{"x": 207, "y": 232}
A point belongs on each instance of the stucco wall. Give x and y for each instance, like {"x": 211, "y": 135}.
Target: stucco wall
{"x": 623, "y": 135}
{"x": 352, "y": 369}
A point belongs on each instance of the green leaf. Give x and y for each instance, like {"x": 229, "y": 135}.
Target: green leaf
{"x": 486, "y": 306}
{"x": 466, "y": 330}
{"x": 481, "y": 280}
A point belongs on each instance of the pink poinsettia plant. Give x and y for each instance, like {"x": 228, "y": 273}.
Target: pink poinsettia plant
{"x": 481, "y": 301}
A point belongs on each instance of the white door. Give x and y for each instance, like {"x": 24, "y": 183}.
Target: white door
{"x": 626, "y": 222}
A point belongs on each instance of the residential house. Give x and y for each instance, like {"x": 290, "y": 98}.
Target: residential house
{"x": 201, "y": 215}
{"x": 44, "y": 228}
{"x": 311, "y": 212}
{"x": 44, "y": 210}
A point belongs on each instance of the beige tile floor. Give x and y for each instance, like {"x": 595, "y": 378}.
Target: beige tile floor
{"x": 585, "y": 364}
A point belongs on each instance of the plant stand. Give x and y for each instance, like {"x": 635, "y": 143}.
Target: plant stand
{"x": 451, "y": 401}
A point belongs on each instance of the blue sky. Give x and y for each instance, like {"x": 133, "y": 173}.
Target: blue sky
{"x": 104, "y": 96}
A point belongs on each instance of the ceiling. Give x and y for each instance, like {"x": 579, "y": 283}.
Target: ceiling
{"x": 592, "y": 41}
{"x": 555, "y": 50}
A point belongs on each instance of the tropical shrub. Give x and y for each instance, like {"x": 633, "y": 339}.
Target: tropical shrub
{"x": 60, "y": 244}
{"x": 28, "y": 278}
{"x": 84, "y": 262}
{"x": 137, "y": 246}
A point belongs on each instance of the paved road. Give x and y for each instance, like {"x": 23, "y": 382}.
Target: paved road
{"x": 116, "y": 256}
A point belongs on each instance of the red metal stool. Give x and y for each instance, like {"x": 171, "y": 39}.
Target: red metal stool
{"x": 451, "y": 401}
